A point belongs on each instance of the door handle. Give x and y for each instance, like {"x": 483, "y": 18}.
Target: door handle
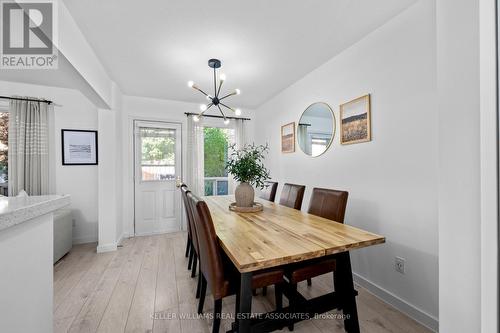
{"x": 178, "y": 182}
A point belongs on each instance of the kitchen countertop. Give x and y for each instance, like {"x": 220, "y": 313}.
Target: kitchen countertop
{"x": 16, "y": 210}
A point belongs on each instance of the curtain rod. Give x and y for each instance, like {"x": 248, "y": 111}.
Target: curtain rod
{"x": 214, "y": 116}
{"x": 26, "y": 99}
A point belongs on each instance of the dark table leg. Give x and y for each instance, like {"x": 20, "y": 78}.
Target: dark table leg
{"x": 344, "y": 287}
{"x": 245, "y": 298}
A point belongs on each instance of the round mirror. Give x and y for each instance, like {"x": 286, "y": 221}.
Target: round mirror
{"x": 316, "y": 129}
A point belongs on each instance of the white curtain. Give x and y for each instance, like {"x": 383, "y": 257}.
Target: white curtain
{"x": 239, "y": 127}
{"x": 28, "y": 147}
{"x": 195, "y": 157}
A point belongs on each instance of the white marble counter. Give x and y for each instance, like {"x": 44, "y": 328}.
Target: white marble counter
{"x": 16, "y": 210}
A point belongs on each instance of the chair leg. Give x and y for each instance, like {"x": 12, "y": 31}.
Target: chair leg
{"x": 188, "y": 246}
{"x": 264, "y": 291}
{"x": 202, "y": 294}
{"x": 217, "y": 315}
{"x": 193, "y": 269}
{"x": 191, "y": 254}
{"x": 278, "y": 294}
{"x": 198, "y": 288}
{"x": 292, "y": 305}
{"x": 309, "y": 282}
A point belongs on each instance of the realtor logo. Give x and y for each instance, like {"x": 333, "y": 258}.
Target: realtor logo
{"x": 28, "y": 34}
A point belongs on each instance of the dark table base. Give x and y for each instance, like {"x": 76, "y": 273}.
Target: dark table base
{"x": 344, "y": 298}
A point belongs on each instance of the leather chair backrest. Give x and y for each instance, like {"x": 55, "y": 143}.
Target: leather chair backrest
{"x": 189, "y": 216}
{"x": 292, "y": 195}
{"x": 269, "y": 192}
{"x": 330, "y": 204}
{"x": 210, "y": 257}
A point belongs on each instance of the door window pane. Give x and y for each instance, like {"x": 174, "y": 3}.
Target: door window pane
{"x": 4, "y": 153}
{"x": 157, "y": 153}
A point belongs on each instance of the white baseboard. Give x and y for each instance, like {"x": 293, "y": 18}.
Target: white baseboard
{"x": 410, "y": 310}
{"x": 107, "y": 247}
{"x": 84, "y": 240}
{"x": 112, "y": 246}
{"x": 122, "y": 237}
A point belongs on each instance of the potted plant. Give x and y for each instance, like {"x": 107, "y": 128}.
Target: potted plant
{"x": 247, "y": 167}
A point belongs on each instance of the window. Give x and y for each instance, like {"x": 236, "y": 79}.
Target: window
{"x": 157, "y": 153}
{"x": 216, "y": 144}
{"x": 318, "y": 145}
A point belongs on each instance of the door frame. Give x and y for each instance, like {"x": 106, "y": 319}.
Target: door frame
{"x": 134, "y": 174}
{"x": 489, "y": 59}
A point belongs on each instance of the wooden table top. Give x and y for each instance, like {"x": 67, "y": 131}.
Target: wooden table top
{"x": 280, "y": 235}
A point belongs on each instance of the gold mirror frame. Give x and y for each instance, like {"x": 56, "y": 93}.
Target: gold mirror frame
{"x": 334, "y": 128}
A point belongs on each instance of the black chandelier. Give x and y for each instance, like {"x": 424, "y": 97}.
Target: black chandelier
{"x": 215, "y": 100}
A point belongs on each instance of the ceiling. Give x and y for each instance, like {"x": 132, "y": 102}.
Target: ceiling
{"x": 152, "y": 48}
{"x": 65, "y": 76}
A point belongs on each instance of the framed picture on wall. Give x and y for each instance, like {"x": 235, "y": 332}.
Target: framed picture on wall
{"x": 288, "y": 138}
{"x": 355, "y": 121}
{"x": 79, "y": 147}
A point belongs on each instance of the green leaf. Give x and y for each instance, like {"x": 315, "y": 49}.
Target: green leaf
{"x": 246, "y": 164}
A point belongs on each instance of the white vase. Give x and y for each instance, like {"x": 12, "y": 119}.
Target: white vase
{"x": 244, "y": 195}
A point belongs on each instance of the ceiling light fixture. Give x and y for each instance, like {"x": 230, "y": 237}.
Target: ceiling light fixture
{"x": 215, "y": 100}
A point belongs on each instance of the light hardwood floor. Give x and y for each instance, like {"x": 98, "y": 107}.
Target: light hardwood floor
{"x": 145, "y": 287}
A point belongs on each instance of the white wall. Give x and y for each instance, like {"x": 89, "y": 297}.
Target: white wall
{"x": 459, "y": 166}
{"x": 75, "y": 112}
{"x": 142, "y": 108}
{"x": 392, "y": 180}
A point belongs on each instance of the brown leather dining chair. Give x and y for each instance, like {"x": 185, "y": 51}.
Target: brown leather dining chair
{"x": 218, "y": 272}
{"x": 330, "y": 204}
{"x": 269, "y": 192}
{"x": 189, "y": 243}
{"x": 194, "y": 252}
{"x": 292, "y": 195}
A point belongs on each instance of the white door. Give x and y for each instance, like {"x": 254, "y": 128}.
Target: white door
{"x": 157, "y": 169}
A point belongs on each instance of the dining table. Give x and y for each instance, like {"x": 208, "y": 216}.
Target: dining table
{"x": 279, "y": 236}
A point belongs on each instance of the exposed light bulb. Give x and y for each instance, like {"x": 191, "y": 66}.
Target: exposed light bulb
{"x": 226, "y": 121}
{"x": 196, "y": 118}
{"x": 203, "y": 107}
{"x": 237, "y": 112}
{"x": 209, "y": 97}
{"x": 237, "y": 91}
{"x": 190, "y": 84}
{"x": 222, "y": 77}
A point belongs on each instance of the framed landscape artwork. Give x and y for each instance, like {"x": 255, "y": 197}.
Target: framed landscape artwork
{"x": 355, "y": 122}
{"x": 288, "y": 138}
{"x": 79, "y": 147}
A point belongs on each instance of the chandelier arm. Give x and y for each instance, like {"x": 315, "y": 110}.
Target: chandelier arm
{"x": 204, "y": 93}
{"x": 228, "y": 95}
{"x": 218, "y": 90}
{"x": 208, "y": 107}
{"x": 230, "y": 108}
{"x": 223, "y": 115}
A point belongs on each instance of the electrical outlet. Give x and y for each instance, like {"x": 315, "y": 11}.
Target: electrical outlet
{"x": 399, "y": 264}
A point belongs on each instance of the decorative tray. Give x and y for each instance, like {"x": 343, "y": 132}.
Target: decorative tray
{"x": 257, "y": 207}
